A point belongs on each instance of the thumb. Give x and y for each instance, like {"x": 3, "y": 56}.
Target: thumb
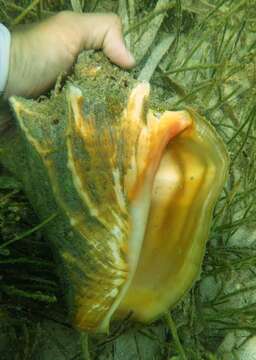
{"x": 104, "y": 31}
{"x": 114, "y": 48}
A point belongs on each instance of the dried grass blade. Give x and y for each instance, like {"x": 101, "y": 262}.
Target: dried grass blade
{"x": 124, "y": 15}
{"x": 76, "y": 6}
{"x": 157, "y": 54}
{"x": 151, "y": 30}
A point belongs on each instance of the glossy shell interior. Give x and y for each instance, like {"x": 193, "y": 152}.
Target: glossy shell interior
{"x": 186, "y": 186}
{"x": 135, "y": 189}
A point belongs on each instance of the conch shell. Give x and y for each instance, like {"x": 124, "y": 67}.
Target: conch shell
{"x": 134, "y": 187}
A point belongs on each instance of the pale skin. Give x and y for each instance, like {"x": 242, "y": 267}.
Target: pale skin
{"x": 41, "y": 52}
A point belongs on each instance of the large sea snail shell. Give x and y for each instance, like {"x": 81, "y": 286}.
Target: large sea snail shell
{"x": 135, "y": 188}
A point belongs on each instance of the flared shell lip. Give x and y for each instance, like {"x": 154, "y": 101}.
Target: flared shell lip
{"x": 199, "y": 127}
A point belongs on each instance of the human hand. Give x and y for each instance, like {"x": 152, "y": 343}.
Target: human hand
{"x": 40, "y": 52}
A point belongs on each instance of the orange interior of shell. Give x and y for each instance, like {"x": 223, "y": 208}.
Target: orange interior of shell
{"x": 186, "y": 184}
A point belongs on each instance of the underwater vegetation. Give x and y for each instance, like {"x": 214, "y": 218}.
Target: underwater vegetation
{"x": 199, "y": 58}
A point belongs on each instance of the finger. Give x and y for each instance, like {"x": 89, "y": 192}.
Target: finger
{"x": 114, "y": 47}
{"x": 105, "y": 32}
